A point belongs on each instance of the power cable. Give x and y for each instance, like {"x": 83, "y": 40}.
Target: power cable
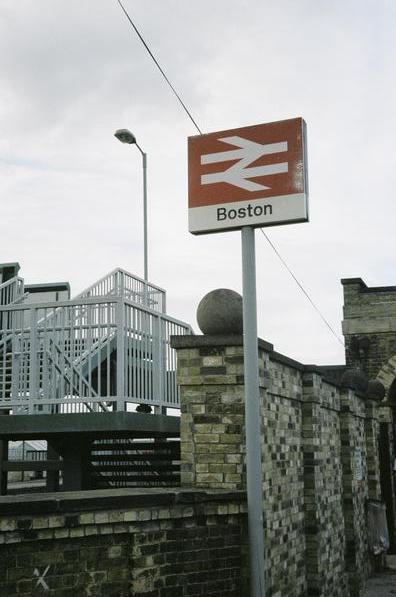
{"x": 301, "y": 287}
{"x": 200, "y": 132}
{"x": 159, "y": 67}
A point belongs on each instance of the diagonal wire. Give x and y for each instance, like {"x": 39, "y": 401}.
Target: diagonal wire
{"x": 301, "y": 287}
{"x": 200, "y": 132}
{"x": 159, "y": 67}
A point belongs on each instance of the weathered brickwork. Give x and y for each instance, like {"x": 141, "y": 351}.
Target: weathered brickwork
{"x": 314, "y": 437}
{"x": 324, "y": 516}
{"x": 212, "y": 422}
{"x": 371, "y": 360}
{"x": 355, "y": 489}
{"x": 283, "y": 482}
{"x": 373, "y": 413}
{"x": 189, "y": 558}
{"x": 164, "y": 549}
{"x": 369, "y": 329}
{"x": 92, "y": 565}
{"x": 320, "y": 465}
{"x": 369, "y": 326}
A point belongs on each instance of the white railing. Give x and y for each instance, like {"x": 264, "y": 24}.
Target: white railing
{"x": 90, "y": 354}
{"x": 149, "y": 361}
{"x": 123, "y": 284}
{"x": 11, "y": 291}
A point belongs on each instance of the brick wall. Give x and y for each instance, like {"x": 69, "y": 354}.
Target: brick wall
{"x": 369, "y": 325}
{"x": 124, "y": 543}
{"x": 320, "y": 464}
{"x": 323, "y": 474}
{"x": 319, "y": 455}
{"x": 282, "y": 458}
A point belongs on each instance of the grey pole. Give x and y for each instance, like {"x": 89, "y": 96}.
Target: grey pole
{"x": 125, "y": 136}
{"x": 252, "y": 416}
{"x": 144, "y": 155}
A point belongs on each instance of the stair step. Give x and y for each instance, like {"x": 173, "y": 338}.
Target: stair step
{"x": 115, "y": 484}
{"x": 151, "y": 467}
{"x": 135, "y": 457}
{"x": 131, "y": 446}
{"x": 139, "y": 479}
{"x": 142, "y": 463}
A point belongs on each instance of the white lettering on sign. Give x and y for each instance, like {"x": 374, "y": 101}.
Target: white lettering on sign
{"x": 41, "y": 580}
{"x": 239, "y": 173}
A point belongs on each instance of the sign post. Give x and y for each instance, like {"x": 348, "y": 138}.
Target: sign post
{"x": 252, "y": 416}
{"x": 242, "y": 179}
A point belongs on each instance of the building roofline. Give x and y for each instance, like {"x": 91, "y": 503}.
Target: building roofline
{"x": 10, "y": 264}
{"x": 364, "y": 287}
{"x": 54, "y": 286}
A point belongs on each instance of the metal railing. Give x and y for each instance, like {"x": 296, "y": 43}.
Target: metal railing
{"x": 123, "y": 284}
{"x": 11, "y": 291}
{"x": 90, "y": 354}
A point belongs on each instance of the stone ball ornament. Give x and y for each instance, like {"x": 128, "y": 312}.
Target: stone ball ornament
{"x": 375, "y": 390}
{"x": 220, "y": 313}
{"x": 355, "y": 379}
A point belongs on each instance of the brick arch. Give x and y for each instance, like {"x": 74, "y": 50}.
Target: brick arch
{"x": 387, "y": 375}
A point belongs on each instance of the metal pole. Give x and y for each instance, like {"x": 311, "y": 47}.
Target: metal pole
{"x": 252, "y": 416}
{"x": 145, "y": 216}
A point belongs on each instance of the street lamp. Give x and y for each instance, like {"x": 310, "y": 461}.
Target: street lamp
{"x": 125, "y": 136}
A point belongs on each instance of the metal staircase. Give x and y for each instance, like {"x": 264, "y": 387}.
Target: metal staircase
{"x": 105, "y": 349}
{"x": 11, "y": 293}
{"x": 5, "y": 373}
{"x": 135, "y": 463}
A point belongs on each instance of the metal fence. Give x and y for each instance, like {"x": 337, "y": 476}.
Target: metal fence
{"x": 123, "y": 284}
{"x": 91, "y": 354}
{"x": 11, "y": 291}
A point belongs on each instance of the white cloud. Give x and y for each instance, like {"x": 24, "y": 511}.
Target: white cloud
{"x": 72, "y": 73}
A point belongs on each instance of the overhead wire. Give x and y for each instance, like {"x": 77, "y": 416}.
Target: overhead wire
{"x": 301, "y": 287}
{"x": 159, "y": 67}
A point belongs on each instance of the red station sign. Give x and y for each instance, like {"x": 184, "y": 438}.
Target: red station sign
{"x": 251, "y": 176}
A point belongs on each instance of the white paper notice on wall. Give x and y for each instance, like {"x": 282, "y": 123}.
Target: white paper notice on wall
{"x": 358, "y": 465}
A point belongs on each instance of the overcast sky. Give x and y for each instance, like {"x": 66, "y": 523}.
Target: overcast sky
{"x": 72, "y": 72}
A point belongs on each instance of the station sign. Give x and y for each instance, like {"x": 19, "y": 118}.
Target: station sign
{"x": 251, "y": 176}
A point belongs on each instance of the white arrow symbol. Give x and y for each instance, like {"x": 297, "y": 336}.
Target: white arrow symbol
{"x": 238, "y": 173}
{"x": 41, "y": 580}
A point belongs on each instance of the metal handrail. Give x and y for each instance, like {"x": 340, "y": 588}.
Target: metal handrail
{"x": 86, "y": 332}
{"x": 91, "y": 301}
{"x": 129, "y": 287}
{"x": 11, "y": 291}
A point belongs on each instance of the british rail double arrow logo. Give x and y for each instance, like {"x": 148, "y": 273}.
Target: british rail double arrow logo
{"x": 250, "y": 176}
{"x": 239, "y": 173}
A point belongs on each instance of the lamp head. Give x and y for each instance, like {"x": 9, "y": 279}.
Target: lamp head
{"x": 125, "y": 136}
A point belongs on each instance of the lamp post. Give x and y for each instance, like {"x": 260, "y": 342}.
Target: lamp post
{"x": 125, "y": 136}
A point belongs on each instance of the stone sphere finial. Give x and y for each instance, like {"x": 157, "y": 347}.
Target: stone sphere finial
{"x": 355, "y": 379}
{"x": 375, "y": 390}
{"x": 220, "y": 313}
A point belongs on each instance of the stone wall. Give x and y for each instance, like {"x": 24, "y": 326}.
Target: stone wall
{"x": 320, "y": 465}
{"x": 369, "y": 325}
{"x": 123, "y": 543}
{"x": 319, "y": 455}
{"x": 369, "y": 328}
{"x": 322, "y": 478}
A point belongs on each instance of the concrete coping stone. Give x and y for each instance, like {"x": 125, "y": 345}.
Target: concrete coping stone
{"x": 111, "y": 499}
{"x": 198, "y": 341}
{"x": 363, "y": 286}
